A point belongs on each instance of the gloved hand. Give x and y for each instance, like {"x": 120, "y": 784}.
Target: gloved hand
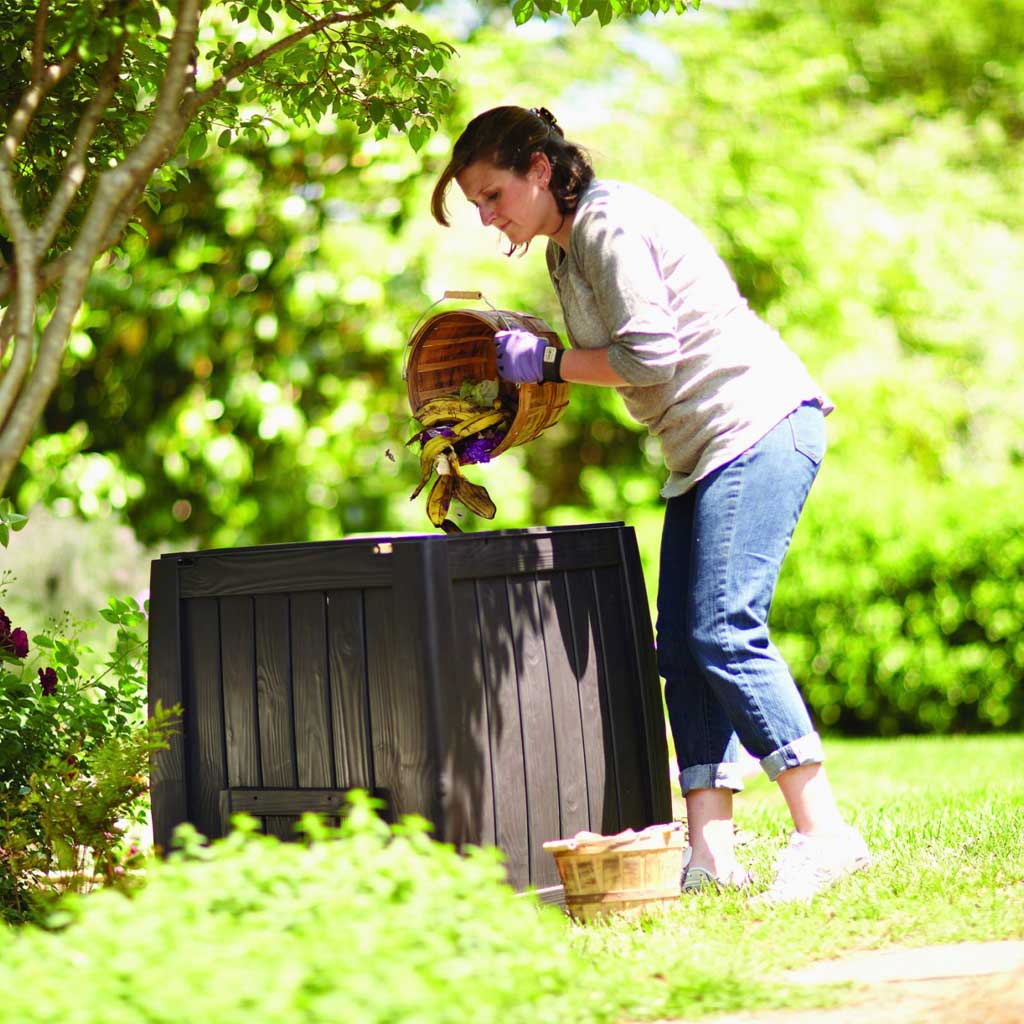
{"x": 520, "y": 356}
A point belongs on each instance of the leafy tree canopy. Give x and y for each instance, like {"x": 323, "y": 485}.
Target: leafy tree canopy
{"x": 101, "y": 94}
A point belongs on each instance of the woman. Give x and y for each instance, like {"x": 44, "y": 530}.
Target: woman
{"x": 652, "y": 311}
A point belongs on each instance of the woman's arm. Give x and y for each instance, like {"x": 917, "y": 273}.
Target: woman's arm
{"x": 589, "y": 366}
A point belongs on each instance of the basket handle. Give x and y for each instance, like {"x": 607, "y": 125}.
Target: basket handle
{"x": 471, "y": 296}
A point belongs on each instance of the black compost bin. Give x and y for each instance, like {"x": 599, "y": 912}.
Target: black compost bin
{"x": 501, "y": 684}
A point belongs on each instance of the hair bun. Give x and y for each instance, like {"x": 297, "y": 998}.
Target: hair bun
{"x": 548, "y": 118}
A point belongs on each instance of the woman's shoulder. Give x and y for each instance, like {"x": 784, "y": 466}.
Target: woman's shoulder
{"x": 609, "y": 204}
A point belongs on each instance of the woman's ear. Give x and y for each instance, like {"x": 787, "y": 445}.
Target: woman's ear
{"x": 540, "y": 169}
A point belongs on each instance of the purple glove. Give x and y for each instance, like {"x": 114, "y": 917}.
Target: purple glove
{"x": 520, "y": 356}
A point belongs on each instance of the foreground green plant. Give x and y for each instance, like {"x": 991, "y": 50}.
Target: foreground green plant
{"x": 363, "y": 923}
{"x": 74, "y": 752}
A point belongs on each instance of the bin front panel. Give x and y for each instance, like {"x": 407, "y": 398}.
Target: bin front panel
{"x": 501, "y": 685}
{"x": 277, "y": 694}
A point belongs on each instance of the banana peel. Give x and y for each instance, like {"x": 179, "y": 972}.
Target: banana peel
{"x": 463, "y": 420}
{"x": 444, "y": 409}
{"x": 474, "y": 497}
{"x": 437, "y": 454}
{"x": 440, "y": 498}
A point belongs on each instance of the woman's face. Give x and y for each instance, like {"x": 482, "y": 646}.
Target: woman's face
{"x": 521, "y": 206}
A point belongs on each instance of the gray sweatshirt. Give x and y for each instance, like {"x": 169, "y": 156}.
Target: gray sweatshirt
{"x": 705, "y": 374}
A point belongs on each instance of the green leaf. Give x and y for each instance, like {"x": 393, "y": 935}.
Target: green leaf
{"x": 418, "y": 134}
{"x": 522, "y": 12}
{"x": 197, "y": 147}
{"x": 265, "y": 20}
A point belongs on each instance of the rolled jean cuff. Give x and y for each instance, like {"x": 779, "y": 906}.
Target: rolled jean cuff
{"x": 805, "y": 750}
{"x": 711, "y": 776}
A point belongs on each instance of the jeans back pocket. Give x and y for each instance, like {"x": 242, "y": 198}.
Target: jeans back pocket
{"x": 808, "y": 426}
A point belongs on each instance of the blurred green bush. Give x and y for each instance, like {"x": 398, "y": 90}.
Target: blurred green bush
{"x": 901, "y": 607}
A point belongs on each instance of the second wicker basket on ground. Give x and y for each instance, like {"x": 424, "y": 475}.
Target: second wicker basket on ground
{"x": 628, "y": 873}
{"x": 457, "y": 346}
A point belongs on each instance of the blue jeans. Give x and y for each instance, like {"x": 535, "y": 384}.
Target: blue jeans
{"x": 721, "y": 551}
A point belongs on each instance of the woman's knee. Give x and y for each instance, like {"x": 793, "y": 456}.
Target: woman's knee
{"x": 715, "y": 646}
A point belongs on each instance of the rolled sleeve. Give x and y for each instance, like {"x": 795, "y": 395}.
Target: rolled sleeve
{"x": 628, "y": 361}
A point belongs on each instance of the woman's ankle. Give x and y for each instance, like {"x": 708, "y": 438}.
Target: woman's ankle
{"x": 720, "y": 863}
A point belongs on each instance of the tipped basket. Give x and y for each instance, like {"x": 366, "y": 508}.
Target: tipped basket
{"x": 626, "y": 873}
{"x": 458, "y": 345}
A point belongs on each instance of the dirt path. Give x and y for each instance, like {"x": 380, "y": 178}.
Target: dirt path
{"x": 965, "y": 983}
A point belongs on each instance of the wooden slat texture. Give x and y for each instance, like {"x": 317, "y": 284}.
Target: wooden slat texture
{"x": 540, "y": 764}
{"x": 348, "y": 693}
{"x": 168, "y": 772}
{"x": 238, "y": 671}
{"x": 625, "y": 702}
{"x": 466, "y": 758}
{"x": 399, "y": 708}
{"x": 481, "y": 556}
{"x": 506, "y": 739}
{"x": 423, "y": 611}
{"x": 556, "y": 620}
{"x": 204, "y": 726}
{"x": 644, "y": 656}
{"x": 286, "y": 569}
{"x": 274, "y": 701}
{"x": 598, "y": 741}
{"x": 288, "y": 802}
{"x": 310, "y": 690}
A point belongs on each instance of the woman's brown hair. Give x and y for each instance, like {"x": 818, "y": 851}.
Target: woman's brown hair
{"x": 508, "y": 138}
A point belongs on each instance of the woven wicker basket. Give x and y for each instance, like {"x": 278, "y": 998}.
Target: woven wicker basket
{"x": 626, "y": 873}
{"x": 458, "y": 345}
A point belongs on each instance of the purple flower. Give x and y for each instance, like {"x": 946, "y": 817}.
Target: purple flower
{"x": 48, "y": 681}
{"x": 19, "y": 643}
{"x": 13, "y": 640}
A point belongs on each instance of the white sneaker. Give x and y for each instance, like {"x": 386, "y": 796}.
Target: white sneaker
{"x": 812, "y": 863}
{"x": 701, "y": 880}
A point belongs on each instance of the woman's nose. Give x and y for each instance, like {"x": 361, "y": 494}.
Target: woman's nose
{"x": 486, "y": 216}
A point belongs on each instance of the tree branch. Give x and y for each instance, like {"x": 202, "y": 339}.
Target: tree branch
{"x": 113, "y": 192}
{"x": 14, "y": 375}
{"x": 74, "y": 165}
{"x": 10, "y": 207}
{"x": 6, "y": 330}
{"x": 39, "y": 40}
{"x": 30, "y": 100}
{"x": 45, "y": 277}
{"x": 216, "y": 88}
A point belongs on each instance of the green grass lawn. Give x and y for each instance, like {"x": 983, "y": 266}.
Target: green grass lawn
{"x": 944, "y": 817}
